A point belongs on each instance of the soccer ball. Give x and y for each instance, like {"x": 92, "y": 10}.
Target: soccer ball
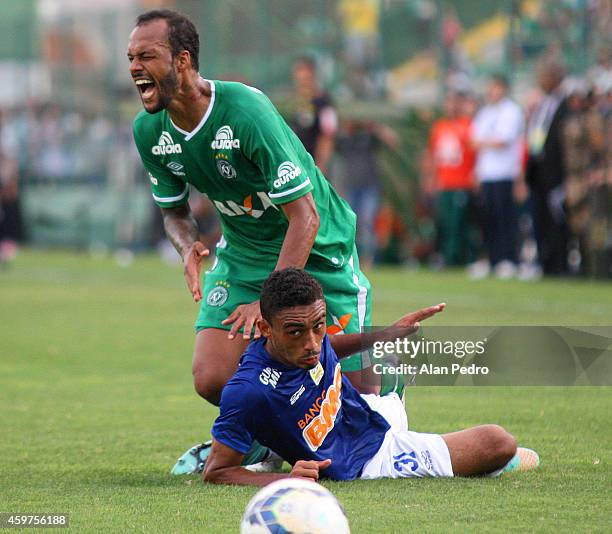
{"x": 294, "y": 506}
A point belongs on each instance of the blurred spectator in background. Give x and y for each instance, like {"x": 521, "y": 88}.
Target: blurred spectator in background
{"x": 545, "y": 173}
{"x": 599, "y": 231}
{"x": 361, "y": 53}
{"x": 583, "y": 142}
{"x": 358, "y": 145}
{"x": 450, "y": 168}
{"x": 10, "y": 212}
{"x": 600, "y": 73}
{"x": 497, "y": 138}
{"x": 315, "y": 120}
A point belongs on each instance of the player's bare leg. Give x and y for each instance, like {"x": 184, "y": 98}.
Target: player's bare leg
{"x": 480, "y": 450}
{"x": 215, "y": 360}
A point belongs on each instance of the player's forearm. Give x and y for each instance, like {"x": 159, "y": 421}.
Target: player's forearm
{"x": 237, "y": 475}
{"x": 299, "y": 239}
{"x": 348, "y": 344}
{"x": 181, "y": 228}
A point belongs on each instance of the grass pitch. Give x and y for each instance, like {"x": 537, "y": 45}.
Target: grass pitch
{"x": 97, "y": 403}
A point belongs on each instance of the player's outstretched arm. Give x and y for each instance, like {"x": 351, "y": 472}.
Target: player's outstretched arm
{"x": 223, "y": 467}
{"x": 348, "y": 344}
{"x": 182, "y": 230}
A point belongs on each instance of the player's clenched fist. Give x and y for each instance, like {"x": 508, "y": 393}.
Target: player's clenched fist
{"x": 192, "y": 261}
{"x": 309, "y": 468}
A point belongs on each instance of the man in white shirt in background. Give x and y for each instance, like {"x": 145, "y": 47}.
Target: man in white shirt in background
{"x": 497, "y": 137}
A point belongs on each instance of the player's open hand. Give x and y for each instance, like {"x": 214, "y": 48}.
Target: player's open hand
{"x": 309, "y": 468}
{"x": 246, "y": 315}
{"x": 410, "y": 323}
{"x": 192, "y": 261}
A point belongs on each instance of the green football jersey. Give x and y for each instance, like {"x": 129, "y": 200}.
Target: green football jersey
{"x": 245, "y": 158}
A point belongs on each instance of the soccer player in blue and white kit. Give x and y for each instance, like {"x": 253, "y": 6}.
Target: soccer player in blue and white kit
{"x": 289, "y": 394}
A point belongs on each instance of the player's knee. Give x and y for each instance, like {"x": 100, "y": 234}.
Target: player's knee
{"x": 501, "y": 444}
{"x": 207, "y": 387}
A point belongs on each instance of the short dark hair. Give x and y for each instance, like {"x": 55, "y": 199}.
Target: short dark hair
{"x": 307, "y": 61}
{"x": 288, "y": 288}
{"x": 501, "y": 79}
{"x": 182, "y": 34}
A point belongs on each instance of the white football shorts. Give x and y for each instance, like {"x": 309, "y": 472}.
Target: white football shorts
{"x": 404, "y": 453}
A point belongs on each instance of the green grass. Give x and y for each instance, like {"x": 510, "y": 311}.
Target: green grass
{"x": 97, "y": 403}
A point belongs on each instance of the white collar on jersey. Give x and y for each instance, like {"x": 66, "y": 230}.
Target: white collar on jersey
{"x": 189, "y": 135}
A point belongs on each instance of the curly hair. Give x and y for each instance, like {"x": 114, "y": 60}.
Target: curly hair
{"x": 182, "y": 34}
{"x": 288, "y": 288}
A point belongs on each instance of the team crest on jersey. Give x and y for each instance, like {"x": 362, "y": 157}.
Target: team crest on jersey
{"x": 317, "y": 373}
{"x": 224, "y": 139}
{"x": 166, "y": 145}
{"x": 226, "y": 169}
{"x": 218, "y": 295}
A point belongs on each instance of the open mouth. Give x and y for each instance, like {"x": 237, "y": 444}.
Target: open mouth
{"x": 146, "y": 88}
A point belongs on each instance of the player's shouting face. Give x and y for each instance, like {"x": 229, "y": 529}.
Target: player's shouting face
{"x": 295, "y": 334}
{"x": 153, "y": 68}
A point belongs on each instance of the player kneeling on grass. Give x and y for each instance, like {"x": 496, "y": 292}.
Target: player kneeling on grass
{"x": 289, "y": 394}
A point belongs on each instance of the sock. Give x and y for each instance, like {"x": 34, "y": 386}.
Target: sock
{"x": 256, "y": 454}
{"x": 391, "y": 383}
{"x": 510, "y": 466}
{"x": 351, "y": 363}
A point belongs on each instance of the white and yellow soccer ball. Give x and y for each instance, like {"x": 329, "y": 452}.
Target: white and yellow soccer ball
{"x": 294, "y": 506}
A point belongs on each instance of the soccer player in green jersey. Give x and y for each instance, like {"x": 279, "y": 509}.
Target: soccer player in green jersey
{"x": 277, "y": 210}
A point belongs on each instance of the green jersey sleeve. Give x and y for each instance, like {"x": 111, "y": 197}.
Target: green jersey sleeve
{"x": 280, "y": 156}
{"x": 168, "y": 191}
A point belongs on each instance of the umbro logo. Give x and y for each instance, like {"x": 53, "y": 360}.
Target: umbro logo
{"x": 166, "y": 145}
{"x": 224, "y": 139}
{"x": 176, "y": 168}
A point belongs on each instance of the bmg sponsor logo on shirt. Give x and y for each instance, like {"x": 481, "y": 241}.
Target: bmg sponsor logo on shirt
{"x": 320, "y": 426}
{"x": 287, "y": 171}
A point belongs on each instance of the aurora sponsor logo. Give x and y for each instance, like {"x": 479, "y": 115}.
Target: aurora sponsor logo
{"x": 287, "y": 171}
{"x": 166, "y": 145}
{"x": 224, "y": 139}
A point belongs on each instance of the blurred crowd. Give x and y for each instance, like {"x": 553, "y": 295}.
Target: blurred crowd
{"x": 510, "y": 190}
{"x": 513, "y": 191}
{"x": 525, "y": 191}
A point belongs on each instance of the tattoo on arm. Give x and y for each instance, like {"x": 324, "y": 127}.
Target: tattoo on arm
{"x": 181, "y": 228}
